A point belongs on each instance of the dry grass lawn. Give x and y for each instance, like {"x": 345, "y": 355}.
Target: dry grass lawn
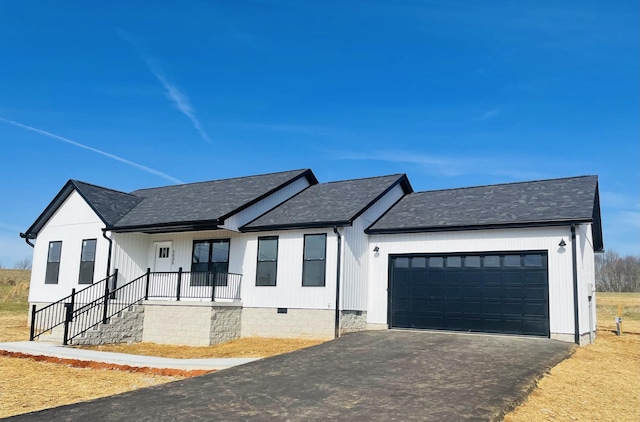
{"x": 600, "y": 382}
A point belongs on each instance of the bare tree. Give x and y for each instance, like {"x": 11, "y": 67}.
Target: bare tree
{"x": 617, "y": 274}
{"x": 23, "y": 264}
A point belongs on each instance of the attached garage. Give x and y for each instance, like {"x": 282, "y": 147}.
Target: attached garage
{"x": 514, "y": 258}
{"x": 490, "y": 292}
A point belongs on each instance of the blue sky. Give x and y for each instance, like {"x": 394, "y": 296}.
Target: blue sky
{"x": 454, "y": 93}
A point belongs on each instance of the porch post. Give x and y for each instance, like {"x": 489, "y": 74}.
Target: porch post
{"x": 68, "y": 317}
{"x": 179, "y": 283}
{"x": 33, "y": 322}
{"x": 146, "y": 287}
{"x": 213, "y": 285}
{"x": 106, "y": 302}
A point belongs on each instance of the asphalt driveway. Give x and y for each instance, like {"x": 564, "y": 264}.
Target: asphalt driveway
{"x": 373, "y": 375}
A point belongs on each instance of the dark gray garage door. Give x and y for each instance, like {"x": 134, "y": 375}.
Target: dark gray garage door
{"x": 491, "y": 292}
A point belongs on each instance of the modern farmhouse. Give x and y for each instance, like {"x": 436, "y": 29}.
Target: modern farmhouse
{"x": 282, "y": 255}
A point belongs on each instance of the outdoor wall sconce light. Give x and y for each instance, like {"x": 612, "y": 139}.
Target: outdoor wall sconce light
{"x": 562, "y": 243}
{"x": 376, "y": 249}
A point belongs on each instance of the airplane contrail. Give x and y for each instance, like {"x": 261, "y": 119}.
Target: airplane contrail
{"x": 97, "y": 151}
{"x": 173, "y": 93}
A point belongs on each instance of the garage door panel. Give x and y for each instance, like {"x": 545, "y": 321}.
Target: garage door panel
{"x": 496, "y": 293}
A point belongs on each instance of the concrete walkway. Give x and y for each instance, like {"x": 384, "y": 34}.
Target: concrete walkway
{"x": 41, "y": 348}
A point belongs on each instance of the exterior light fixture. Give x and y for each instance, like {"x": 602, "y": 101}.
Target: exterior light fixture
{"x": 376, "y": 249}
{"x": 562, "y": 243}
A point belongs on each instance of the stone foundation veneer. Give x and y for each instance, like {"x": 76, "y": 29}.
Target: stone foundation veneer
{"x": 352, "y": 321}
{"x": 123, "y": 328}
{"x": 191, "y": 323}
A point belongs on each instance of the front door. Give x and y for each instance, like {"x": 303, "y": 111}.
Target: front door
{"x": 162, "y": 257}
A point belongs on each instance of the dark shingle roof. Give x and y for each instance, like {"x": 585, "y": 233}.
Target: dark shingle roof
{"x": 200, "y": 204}
{"x": 328, "y": 204}
{"x": 110, "y": 205}
{"x": 205, "y": 201}
{"x": 538, "y": 203}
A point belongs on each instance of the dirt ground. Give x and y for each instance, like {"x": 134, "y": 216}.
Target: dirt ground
{"x": 251, "y": 347}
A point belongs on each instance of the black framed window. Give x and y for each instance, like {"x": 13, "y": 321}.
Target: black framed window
{"x": 211, "y": 259}
{"x": 53, "y": 262}
{"x": 87, "y": 261}
{"x": 267, "y": 267}
{"x": 313, "y": 260}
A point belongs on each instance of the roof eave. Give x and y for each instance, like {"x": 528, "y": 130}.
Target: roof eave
{"x": 432, "y": 229}
{"x": 53, "y": 206}
{"x": 176, "y": 226}
{"x": 296, "y": 226}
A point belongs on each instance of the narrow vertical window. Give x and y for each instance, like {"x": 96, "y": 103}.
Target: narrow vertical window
{"x": 267, "y": 261}
{"x": 313, "y": 266}
{"x": 87, "y": 261}
{"x": 53, "y": 262}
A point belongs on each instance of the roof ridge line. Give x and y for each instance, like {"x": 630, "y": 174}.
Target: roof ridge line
{"x": 223, "y": 180}
{"x": 508, "y": 184}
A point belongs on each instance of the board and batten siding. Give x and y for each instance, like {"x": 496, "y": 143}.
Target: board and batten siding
{"x": 586, "y": 277}
{"x": 135, "y": 252}
{"x": 254, "y": 211}
{"x": 288, "y": 291}
{"x": 545, "y": 239}
{"x": 356, "y": 252}
{"x": 73, "y": 222}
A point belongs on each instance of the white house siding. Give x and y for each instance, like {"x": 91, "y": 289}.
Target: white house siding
{"x": 266, "y": 204}
{"x": 134, "y": 253}
{"x": 546, "y": 239}
{"x": 130, "y": 255}
{"x": 586, "y": 277}
{"x": 73, "y": 222}
{"x": 288, "y": 291}
{"x": 356, "y": 252}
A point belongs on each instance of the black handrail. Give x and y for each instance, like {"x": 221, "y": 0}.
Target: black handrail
{"x": 157, "y": 285}
{"x": 49, "y": 317}
{"x": 101, "y": 309}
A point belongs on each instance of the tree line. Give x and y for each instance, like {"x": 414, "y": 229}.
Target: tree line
{"x": 615, "y": 273}
{"x": 23, "y": 264}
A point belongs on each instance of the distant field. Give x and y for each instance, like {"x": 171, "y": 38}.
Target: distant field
{"x": 607, "y": 310}
{"x": 14, "y": 290}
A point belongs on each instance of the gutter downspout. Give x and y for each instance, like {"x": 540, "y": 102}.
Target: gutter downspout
{"x": 104, "y": 234}
{"x": 576, "y": 301}
{"x": 339, "y": 253}
{"x": 26, "y": 239}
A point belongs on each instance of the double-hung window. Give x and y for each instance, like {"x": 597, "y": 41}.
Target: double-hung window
{"x": 210, "y": 262}
{"x": 87, "y": 261}
{"x": 267, "y": 267}
{"x": 53, "y": 262}
{"x": 313, "y": 261}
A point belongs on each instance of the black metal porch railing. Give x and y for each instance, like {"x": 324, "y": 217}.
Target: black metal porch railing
{"x": 83, "y": 310}
{"x": 193, "y": 285}
{"x": 49, "y": 317}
